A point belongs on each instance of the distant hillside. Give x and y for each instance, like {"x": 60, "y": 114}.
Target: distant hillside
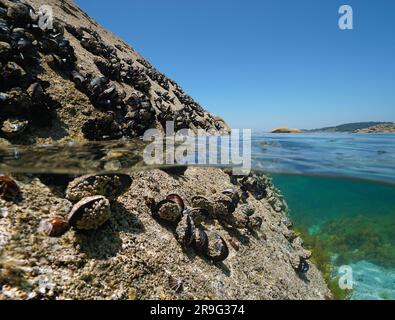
{"x": 350, "y": 127}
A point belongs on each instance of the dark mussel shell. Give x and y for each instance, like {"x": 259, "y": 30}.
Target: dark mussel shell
{"x": 167, "y": 210}
{"x": 3, "y": 12}
{"x": 246, "y": 209}
{"x": 19, "y": 12}
{"x": 203, "y": 203}
{"x": 175, "y": 170}
{"x": 303, "y": 266}
{"x": 5, "y": 31}
{"x": 176, "y": 199}
{"x": 201, "y": 241}
{"x": 217, "y": 249}
{"x": 9, "y": 189}
{"x": 197, "y": 214}
{"x": 56, "y": 226}
{"x": 78, "y": 79}
{"x": 185, "y": 231}
{"x": 109, "y": 185}
{"x": 223, "y": 205}
{"x": 5, "y": 50}
{"x": 255, "y": 223}
{"x": 90, "y": 213}
{"x": 233, "y": 194}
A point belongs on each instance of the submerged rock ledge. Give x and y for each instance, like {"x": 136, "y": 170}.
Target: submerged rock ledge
{"x": 133, "y": 256}
{"x": 58, "y": 94}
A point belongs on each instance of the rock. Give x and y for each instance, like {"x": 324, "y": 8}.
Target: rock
{"x": 286, "y": 130}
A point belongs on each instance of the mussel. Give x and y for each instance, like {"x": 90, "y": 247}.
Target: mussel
{"x": 90, "y": 213}
{"x": 9, "y": 190}
{"x": 203, "y": 203}
{"x": 185, "y": 231}
{"x": 170, "y": 209}
{"x": 197, "y": 215}
{"x": 233, "y": 194}
{"x": 109, "y": 185}
{"x": 223, "y": 205}
{"x": 55, "y": 226}
{"x": 201, "y": 241}
{"x": 217, "y": 249}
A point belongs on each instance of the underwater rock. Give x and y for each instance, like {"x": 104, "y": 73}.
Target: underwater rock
{"x": 90, "y": 213}
{"x": 9, "y": 190}
{"x": 109, "y": 185}
{"x": 56, "y": 226}
{"x": 185, "y": 231}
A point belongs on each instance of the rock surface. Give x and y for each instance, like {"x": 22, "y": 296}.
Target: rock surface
{"x": 84, "y": 82}
{"x": 134, "y": 256}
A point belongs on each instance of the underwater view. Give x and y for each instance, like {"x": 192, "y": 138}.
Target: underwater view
{"x": 344, "y": 204}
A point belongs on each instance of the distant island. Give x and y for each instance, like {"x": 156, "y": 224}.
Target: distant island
{"x": 359, "y": 127}
{"x": 286, "y": 130}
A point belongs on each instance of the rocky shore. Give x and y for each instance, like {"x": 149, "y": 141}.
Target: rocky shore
{"x": 381, "y": 128}
{"x": 286, "y": 130}
{"x": 184, "y": 233}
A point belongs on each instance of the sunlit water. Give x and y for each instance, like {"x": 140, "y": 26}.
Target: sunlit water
{"x": 340, "y": 189}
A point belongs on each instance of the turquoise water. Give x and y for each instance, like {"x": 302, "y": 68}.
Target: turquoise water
{"x": 340, "y": 189}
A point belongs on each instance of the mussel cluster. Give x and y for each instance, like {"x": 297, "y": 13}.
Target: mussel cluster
{"x": 159, "y": 78}
{"x": 188, "y": 221}
{"x": 140, "y": 115}
{"x": 188, "y": 229}
{"x": 23, "y": 97}
{"x": 92, "y": 195}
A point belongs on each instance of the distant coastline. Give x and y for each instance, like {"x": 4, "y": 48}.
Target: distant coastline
{"x": 359, "y": 127}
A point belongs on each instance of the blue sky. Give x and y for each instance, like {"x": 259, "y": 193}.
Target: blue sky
{"x": 267, "y": 63}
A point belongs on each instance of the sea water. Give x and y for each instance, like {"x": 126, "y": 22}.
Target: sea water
{"x": 340, "y": 190}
